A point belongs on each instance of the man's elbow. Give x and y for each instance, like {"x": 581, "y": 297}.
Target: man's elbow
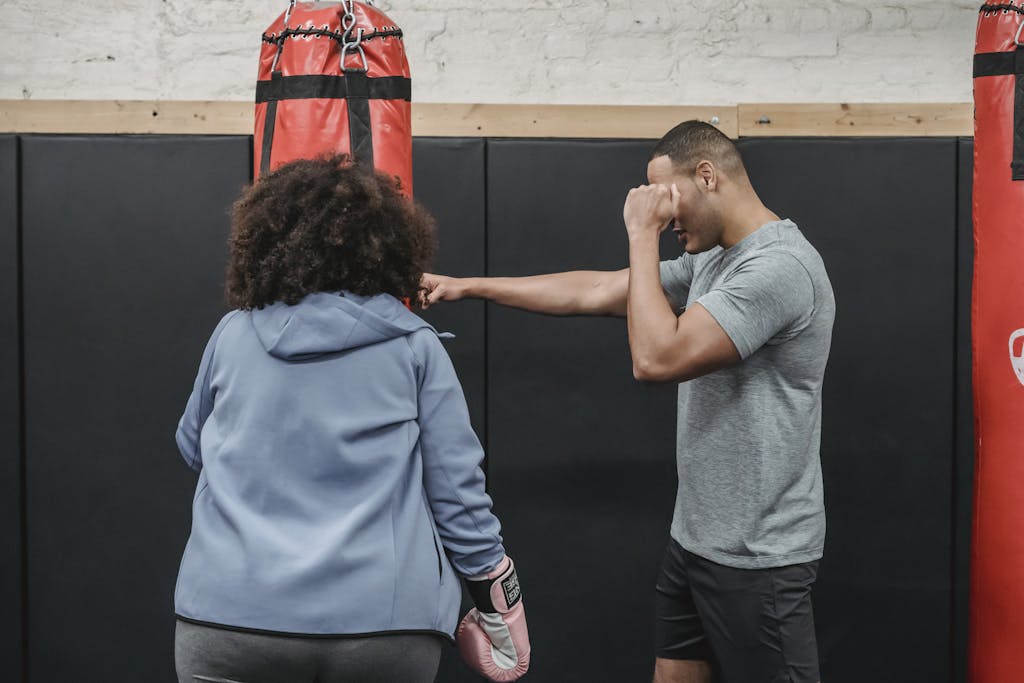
{"x": 649, "y": 370}
{"x": 641, "y": 373}
{"x": 670, "y": 367}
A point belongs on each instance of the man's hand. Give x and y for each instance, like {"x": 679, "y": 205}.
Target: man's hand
{"x": 650, "y": 208}
{"x": 435, "y": 288}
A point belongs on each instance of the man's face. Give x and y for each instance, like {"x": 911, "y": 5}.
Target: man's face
{"x": 695, "y": 223}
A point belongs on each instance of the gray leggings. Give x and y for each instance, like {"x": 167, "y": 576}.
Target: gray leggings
{"x": 204, "y": 654}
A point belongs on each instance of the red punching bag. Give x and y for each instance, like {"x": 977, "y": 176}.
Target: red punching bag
{"x": 997, "y": 553}
{"x": 334, "y": 78}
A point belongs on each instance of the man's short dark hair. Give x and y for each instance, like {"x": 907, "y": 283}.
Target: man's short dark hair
{"x": 691, "y": 142}
{"x": 323, "y": 225}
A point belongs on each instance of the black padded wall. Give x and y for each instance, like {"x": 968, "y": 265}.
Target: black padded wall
{"x": 448, "y": 179}
{"x": 963, "y": 488}
{"x": 582, "y": 456}
{"x": 124, "y": 246}
{"x": 883, "y": 215}
{"x": 123, "y": 263}
{"x": 10, "y": 417}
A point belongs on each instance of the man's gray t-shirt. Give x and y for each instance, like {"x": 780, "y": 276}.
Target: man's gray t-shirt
{"x": 750, "y": 492}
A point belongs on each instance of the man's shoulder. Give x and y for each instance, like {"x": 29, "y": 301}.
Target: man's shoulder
{"x": 796, "y": 263}
{"x": 789, "y": 248}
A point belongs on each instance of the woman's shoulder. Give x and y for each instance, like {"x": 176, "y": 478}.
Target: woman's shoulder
{"x": 226, "y": 320}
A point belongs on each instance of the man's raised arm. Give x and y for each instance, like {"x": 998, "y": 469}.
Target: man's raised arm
{"x": 580, "y": 292}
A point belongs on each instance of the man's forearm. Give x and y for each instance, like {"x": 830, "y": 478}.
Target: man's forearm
{"x": 573, "y": 293}
{"x": 650, "y": 319}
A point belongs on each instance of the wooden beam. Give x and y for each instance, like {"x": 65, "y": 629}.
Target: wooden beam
{"x": 126, "y": 117}
{"x": 506, "y": 120}
{"x": 829, "y": 120}
{"x": 445, "y": 120}
{"x": 562, "y": 121}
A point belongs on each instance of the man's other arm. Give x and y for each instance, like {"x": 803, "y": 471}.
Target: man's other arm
{"x": 581, "y": 292}
{"x": 664, "y": 347}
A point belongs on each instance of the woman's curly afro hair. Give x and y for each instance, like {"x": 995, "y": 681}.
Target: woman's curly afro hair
{"x": 325, "y": 225}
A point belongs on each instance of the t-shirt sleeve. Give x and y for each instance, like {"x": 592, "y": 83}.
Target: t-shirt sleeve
{"x": 676, "y": 277}
{"x": 768, "y": 296}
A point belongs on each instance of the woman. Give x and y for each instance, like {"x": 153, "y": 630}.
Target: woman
{"x": 340, "y": 491}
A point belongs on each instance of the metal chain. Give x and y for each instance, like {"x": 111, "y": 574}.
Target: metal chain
{"x": 348, "y": 20}
{"x": 348, "y": 23}
{"x": 280, "y": 44}
{"x": 348, "y": 43}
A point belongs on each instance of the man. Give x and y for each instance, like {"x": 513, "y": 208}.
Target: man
{"x": 749, "y": 350}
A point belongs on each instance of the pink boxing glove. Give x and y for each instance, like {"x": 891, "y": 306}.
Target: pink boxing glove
{"x": 492, "y": 637}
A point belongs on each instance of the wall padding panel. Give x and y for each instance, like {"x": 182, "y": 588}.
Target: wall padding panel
{"x": 963, "y": 489}
{"x": 448, "y": 179}
{"x": 11, "y": 636}
{"x": 124, "y": 248}
{"x": 123, "y": 261}
{"x": 883, "y": 215}
{"x": 582, "y": 456}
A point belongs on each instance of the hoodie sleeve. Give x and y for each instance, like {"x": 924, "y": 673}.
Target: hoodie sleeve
{"x": 452, "y": 456}
{"x": 199, "y": 405}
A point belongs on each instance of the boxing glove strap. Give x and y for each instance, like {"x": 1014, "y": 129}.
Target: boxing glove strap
{"x": 508, "y": 582}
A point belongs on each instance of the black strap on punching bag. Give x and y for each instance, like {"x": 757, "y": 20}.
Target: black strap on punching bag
{"x": 269, "y": 121}
{"x": 317, "y": 87}
{"x": 359, "y": 136}
{"x": 1007, "y": 64}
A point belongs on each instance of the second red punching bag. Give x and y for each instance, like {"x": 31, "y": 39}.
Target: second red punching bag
{"x": 997, "y": 553}
{"x": 334, "y": 77}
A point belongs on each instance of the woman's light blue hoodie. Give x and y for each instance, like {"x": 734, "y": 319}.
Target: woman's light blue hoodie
{"x": 340, "y": 489}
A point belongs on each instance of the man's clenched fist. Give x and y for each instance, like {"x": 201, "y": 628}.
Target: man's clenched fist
{"x": 434, "y": 288}
{"x": 650, "y": 208}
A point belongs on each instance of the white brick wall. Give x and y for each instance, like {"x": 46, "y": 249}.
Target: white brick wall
{"x": 527, "y": 51}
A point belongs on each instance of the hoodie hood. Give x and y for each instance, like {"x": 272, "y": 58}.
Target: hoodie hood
{"x": 324, "y": 323}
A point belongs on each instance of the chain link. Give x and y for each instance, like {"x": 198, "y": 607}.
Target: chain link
{"x": 348, "y": 24}
{"x": 280, "y": 45}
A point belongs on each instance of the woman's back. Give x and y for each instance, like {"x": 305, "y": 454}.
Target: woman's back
{"x": 311, "y": 514}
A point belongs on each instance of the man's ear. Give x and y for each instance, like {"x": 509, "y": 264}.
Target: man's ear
{"x": 707, "y": 175}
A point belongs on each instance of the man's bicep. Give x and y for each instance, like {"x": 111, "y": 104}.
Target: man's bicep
{"x": 708, "y": 347}
{"x": 700, "y": 346}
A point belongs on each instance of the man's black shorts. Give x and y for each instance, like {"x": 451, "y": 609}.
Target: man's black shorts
{"x": 752, "y": 625}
